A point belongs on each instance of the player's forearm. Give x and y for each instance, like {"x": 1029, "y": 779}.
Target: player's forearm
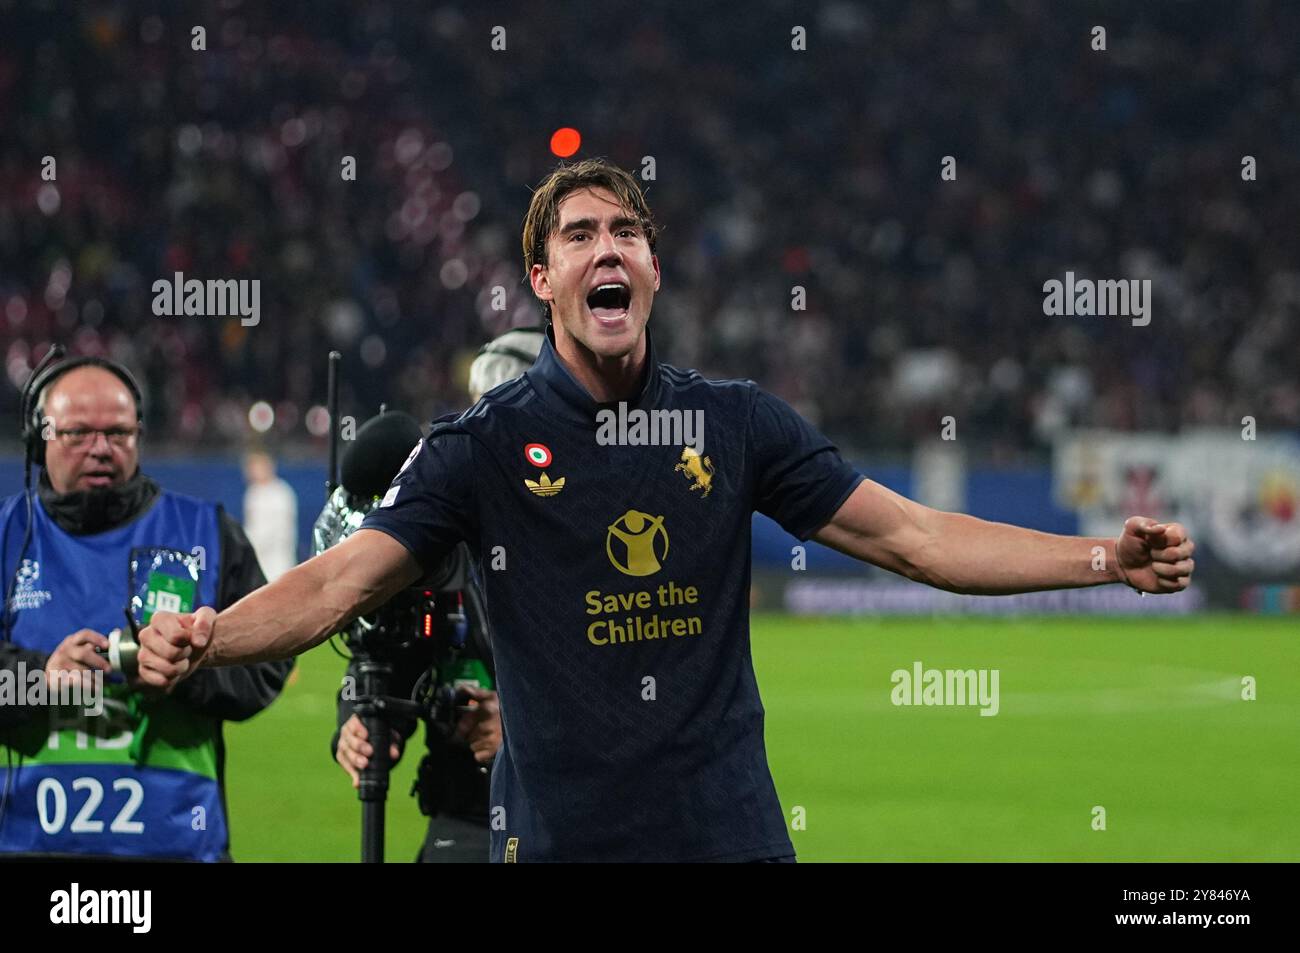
{"x": 967, "y": 555}
{"x": 301, "y": 609}
{"x": 277, "y": 621}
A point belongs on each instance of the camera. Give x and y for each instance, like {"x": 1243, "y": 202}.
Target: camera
{"x": 417, "y": 615}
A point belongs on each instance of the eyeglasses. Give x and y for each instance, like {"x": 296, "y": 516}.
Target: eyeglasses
{"x": 79, "y": 438}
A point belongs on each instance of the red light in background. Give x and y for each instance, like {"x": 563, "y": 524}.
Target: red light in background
{"x": 565, "y": 142}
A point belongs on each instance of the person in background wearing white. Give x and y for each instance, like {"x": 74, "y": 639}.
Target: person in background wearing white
{"x": 270, "y": 516}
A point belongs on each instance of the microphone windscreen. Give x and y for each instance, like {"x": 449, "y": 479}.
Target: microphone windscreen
{"x": 381, "y": 447}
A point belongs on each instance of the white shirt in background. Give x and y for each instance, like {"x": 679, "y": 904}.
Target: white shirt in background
{"x": 271, "y": 522}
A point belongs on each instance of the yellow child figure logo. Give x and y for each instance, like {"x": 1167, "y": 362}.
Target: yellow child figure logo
{"x": 639, "y": 532}
{"x": 696, "y": 468}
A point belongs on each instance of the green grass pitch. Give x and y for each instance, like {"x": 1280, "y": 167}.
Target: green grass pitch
{"x": 1142, "y": 717}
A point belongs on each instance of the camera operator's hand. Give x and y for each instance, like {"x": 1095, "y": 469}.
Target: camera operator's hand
{"x": 171, "y": 646}
{"x": 480, "y": 727}
{"x": 354, "y": 749}
{"x": 76, "y": 655}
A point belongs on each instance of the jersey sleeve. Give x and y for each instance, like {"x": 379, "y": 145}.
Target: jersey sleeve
{"x": 799, "y": 478}
{"x": 430, "y": 506}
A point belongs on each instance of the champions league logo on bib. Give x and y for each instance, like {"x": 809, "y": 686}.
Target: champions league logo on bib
{"x": 162, "y": 580}
{"x": 27, "y": 595}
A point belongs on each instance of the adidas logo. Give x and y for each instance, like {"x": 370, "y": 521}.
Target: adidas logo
{"x": 544, "y": 486}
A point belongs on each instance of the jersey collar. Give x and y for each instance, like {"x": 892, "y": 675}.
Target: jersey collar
{"x": 560, "y": 389}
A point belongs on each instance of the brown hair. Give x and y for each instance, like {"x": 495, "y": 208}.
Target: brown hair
{"x": 544, "y": 210}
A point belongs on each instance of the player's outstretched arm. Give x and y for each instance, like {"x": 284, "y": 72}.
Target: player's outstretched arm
{"x": 963, "y": 554}
{"x": 301, "y": 609}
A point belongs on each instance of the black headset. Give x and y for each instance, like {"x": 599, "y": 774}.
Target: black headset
{"x": 50, "y": 369}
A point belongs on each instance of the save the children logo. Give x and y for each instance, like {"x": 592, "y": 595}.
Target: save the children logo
{"x": 637, "y": 543}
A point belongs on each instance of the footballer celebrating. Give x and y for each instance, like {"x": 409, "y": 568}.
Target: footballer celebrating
{"x": 617, "y": 573}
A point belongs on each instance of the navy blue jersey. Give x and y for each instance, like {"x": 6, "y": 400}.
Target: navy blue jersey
{"x": 617, "y": 582}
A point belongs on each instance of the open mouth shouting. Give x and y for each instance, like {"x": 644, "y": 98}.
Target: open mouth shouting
{"x": 608, "y": 302}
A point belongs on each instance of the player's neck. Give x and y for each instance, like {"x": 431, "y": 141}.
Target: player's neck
{"x": 606, "y": 379}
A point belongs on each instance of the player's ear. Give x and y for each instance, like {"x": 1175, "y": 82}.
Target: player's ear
{"x": 541, "y": 282}
{"x": 654, "y": 261}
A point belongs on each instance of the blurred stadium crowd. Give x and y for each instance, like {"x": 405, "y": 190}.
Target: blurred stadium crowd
{"x": 773, "y": 168}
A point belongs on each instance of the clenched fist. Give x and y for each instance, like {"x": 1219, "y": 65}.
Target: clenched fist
{"x": 1154, "y": 557}
{"x": 172, "y": 646}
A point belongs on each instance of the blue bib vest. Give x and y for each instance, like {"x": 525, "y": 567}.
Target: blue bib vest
{"x": 139, "y": 779}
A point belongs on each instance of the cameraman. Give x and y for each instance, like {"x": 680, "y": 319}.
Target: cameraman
{"x": 143, "y": 778}
{"x": 453, "y": 778}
